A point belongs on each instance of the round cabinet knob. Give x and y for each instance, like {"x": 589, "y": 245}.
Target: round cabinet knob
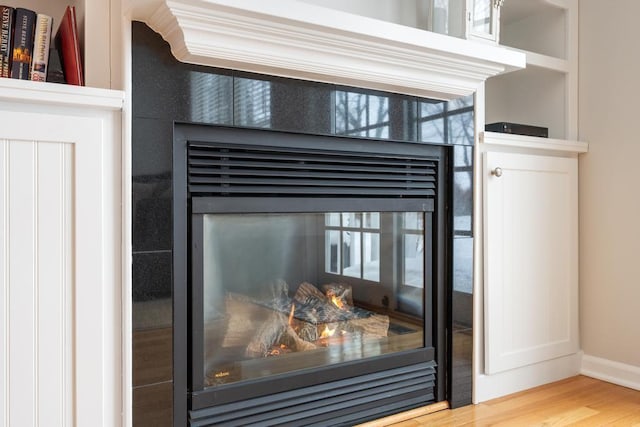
{"x": 497, "y": 172}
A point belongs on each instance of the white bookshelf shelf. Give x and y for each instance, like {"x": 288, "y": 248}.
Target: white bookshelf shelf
{"x": 546, "y": 62}
{"x": 533, "y": 142}
{"x": 15, "y": 91}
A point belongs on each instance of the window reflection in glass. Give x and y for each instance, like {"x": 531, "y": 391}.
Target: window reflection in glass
{"x": 332, "y": 251}
{"x": 252, "y": 103}
{"x": 412, "y": 221}
{"x": 350, "y": 219}
{"x": 481, "y": 20}
{"x": 371, "y": 256}
{"x": 465, "y": 101}
{"x": 463, "y": 191}
{"x": 433, "y": 131}
{"x": 360, "y": 114}
{"x": 351, "y": 254}
{"x": 429, "y": 108}
{"x": 413, "y": 260}
{"x": 447, "y": 122}
{"x": 461, "y": 128}
{"x": 263, "y": 104}
{"x": 352, "y": 244}
{"x": 209, "y": 95}
{"x": 332, "y": 219}
{"x": 413, "y": 249}
{"x": 371, "y": 219}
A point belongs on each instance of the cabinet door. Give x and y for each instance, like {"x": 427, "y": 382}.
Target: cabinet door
{"x": 530, "y": 259}
{"x": 59, "y": 269}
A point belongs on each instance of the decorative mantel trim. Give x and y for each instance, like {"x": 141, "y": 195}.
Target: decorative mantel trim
{"x": 293, "y": 39}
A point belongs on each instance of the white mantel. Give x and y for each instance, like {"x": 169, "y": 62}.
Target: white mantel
{"x": 293, "y": 39}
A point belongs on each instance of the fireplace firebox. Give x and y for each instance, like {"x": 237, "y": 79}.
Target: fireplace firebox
{"x": 310, "y": 276}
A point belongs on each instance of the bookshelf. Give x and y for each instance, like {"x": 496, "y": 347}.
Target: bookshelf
{"x": 95, "y": 44}
{"x": 60, "y": 189}
{"x": 545, "y": 92}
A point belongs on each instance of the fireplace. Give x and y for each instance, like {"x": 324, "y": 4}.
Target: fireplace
{"x": 279, "y": 125}
{"x": 314, "y": 276}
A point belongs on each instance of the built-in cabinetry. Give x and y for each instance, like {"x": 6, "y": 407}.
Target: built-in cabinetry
{"x": 61, "y": 238}
{"x": 61, "y": 242}
{"x": 545, "y": 93}
{"x": 60, "y": 254}
{"x": 530, "y": 261}
{"x": 527, "y": 293}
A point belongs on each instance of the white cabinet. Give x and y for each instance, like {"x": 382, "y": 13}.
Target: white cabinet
{"x": 530, "y": 262}
{"x": 60, "y": 255}
{"x": 546, "y": 92}
{"x": 531, "y": 259}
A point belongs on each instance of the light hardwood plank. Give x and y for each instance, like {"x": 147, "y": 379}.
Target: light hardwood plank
{"x": 578, "y": 401}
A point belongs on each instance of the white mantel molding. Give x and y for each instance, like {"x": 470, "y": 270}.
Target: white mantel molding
{"x": 298, "y": 40}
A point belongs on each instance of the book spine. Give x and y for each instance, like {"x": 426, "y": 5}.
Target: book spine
{"x": 6, "y": 36}
{"x": 66, "y": 41}
{"x": 25, "y": 23}
{"x": 42, "y": 39}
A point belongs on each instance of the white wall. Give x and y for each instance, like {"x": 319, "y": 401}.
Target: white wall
{"x": 609, "y": 175}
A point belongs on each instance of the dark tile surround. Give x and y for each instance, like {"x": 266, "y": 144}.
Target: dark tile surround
{"x": 165, "y": 91}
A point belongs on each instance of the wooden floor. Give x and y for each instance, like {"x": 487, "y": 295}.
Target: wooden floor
{"x": 578, "y": 401}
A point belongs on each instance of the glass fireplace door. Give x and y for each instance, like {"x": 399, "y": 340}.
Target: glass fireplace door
{"x": 276, "y": 293}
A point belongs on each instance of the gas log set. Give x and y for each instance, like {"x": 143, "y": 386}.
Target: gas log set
{"x": 312, "y": 319}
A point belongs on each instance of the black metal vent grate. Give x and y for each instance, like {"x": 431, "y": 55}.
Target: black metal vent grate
{"x": 337, "y": 403}
{"x": 249, "y": 170}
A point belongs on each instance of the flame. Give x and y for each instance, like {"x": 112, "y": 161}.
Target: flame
{"x": 293, "y": 309}
{"x": 327, "y": 332}
{"x": 277, "y": 351}
{"x": 337, "y": 301}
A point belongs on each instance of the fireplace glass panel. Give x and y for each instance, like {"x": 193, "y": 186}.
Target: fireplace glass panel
{"x": 291, "y": 291}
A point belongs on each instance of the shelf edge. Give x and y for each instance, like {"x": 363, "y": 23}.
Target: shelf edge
{"x": 540, "y": 60}
{"x": 12, "y": 90}
{"x": 521, "y": 141}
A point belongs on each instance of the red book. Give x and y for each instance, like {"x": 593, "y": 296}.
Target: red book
{"x": 68, "y": 45}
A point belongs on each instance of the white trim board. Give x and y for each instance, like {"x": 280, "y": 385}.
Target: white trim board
{"x": 611, "y": 371}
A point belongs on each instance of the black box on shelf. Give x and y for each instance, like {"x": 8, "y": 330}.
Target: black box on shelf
{"x": 517, "y": 129}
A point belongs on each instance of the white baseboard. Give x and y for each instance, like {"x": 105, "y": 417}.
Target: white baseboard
{"x": 610, "y": 371}
{"x": 489, "y": 387}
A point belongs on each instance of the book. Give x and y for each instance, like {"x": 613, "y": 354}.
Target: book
{"x": 41, "y": 41}
{"x": 6, "y": 36}
{"x": 54, "y": 68}
{"x": 67, "y": 43}
{"x": 24, "y": 26}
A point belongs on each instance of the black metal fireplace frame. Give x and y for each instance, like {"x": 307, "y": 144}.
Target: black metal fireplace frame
{"x": 414, "y": 365}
